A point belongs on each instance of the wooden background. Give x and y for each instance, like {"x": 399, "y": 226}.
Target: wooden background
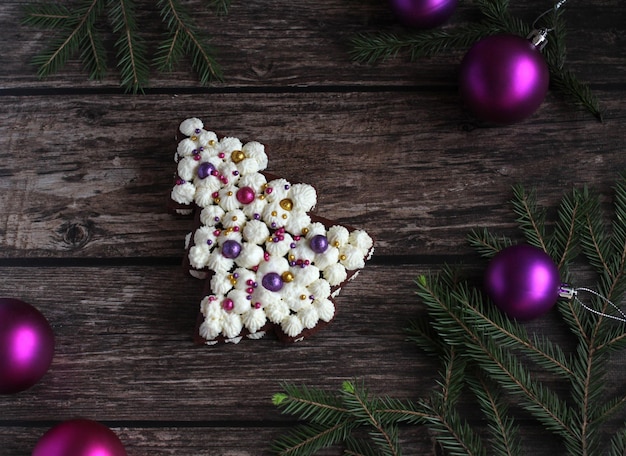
{"x": 84, "y": 236}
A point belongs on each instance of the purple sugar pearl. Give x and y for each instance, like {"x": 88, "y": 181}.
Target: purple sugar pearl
{"x": 231, "y": 249}
{"x": 205, "y": 169}
{"x": 319, "y": 243}
{"x": 272, "y": 281}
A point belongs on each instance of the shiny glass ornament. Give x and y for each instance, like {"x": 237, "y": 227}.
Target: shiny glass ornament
{"x": 79, "y": 437}
{"x": 26, "y": 345}
{"x": 503, "y": 78}
{"x": 523, "y": 281}
{"x": 423, "y": 13}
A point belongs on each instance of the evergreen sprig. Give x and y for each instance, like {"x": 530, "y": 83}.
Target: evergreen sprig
{"x": 79, "y": 34}
{"x": 496, "y": 18}
{"x": 486, "y": 356}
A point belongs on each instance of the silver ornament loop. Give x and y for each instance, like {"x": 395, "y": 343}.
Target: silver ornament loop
{"x": 567, "y": 292}
{"x": 558, "y": 5}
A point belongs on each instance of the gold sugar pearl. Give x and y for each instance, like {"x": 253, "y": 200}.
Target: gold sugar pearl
{"x": 292, "y": 258}
{"x": 343, "y": 257}
{"x": 211, "y": 142}
{"x": 229, "y": 193}
{"x": 261, "y": 197}
{"x": 234, "y": 219}
{"x": 303, "y": 297}
{"x": 274, "y": 213}
{"x": 287, "y": 277}
{"x": 286, "y": 204}
{"x": 336, "y": 244}
{"x": 284, "y": 216}
{"x": 194, "y": 138}
{"x": 237, "y": 156}
{"x": 305, "y": 231}
{"x": 217, "y": 200}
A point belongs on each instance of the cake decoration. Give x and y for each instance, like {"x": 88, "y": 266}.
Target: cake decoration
{"x": 270, "y": 264}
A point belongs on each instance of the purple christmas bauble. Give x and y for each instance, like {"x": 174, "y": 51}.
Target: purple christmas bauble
{"x": 26, "y": 345}
{"x": 523, "y": 281}
{"x": 503, "y": 79}
{"x": 79, "y": 437}
{"x": 423, "y": 13}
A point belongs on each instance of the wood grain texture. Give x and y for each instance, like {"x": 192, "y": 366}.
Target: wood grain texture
{"x": 86, "y": 170}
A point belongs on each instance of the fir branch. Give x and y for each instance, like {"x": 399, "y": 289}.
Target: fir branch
{"x": 392, "y": 410}
{"x": 373, "y": 47}
{"x": 310, "y": 404}
{"x": 77, "y": 34}
{"x": 505, "y": 433}
{"x": 452, "y": 432}
{"x": 503, "y": 367}
{"x": 93, "y": 55}
{"x": 220, "y": 6}
{"x": 185, "y": 39}
{"x": 618, "y": 444}
{"x": 563, "y": 244}
{"x": 384, "y": 435}
{"x": 530, "y": 218}
{"x": 486, "y": 243}
{"x": 565, "y": 82}
{"x": 61, "y": 49}
{"x": 305, "y": 440}
{"x": 46, "y": 15}
{"x": 510, "y": 334}
{"x": 131, "y": 51}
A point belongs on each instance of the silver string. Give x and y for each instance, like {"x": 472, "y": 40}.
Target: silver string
{"x": 558, "y": 5}
{"x": 574, "y": 292}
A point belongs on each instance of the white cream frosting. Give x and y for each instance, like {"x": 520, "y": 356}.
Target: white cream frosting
{"x": 256, "y": 237}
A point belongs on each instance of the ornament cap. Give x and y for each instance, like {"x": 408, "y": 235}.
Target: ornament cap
{"x": 566, "y": 291}
{"x": 539, "y": 38}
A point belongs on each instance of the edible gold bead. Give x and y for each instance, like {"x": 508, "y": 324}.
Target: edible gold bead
{"x": 237, "y": 156}
{"x": 342, "y": 258}
{"x": 303, "y": 297}
{"x": 234, "y": 219}
{"x": 286, "y": 204}
{"x": 274, "y": 213}
{"x": 287, "y": 277}
{"x": 230, "y": 193}
{"x": 217, "y": 200}
{"x": 292, "y": 258}
{"x": 285, "y": 216}
{"x": 336, "y": 244}
{"x": 261, "y": 197}
{"x": 194, "y": 138}
{"x": 211, "y": 142}
{"x": 305, "y": 231}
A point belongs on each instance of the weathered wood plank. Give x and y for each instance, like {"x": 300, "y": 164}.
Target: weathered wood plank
{"x": 125, "y": 351}
{"x": 93, "y": 181}
{"x": 300, "y": 43}
{"x": 197, "y": 441}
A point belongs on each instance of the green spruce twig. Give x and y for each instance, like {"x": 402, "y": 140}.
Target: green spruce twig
{"x": 79, "y": 34}
{"x": 495, "y": 359}
{"x": 379, "y": 46}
